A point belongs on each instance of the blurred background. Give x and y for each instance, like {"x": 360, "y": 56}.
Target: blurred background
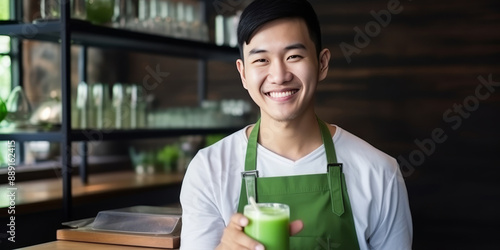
{"x": 419, "y": 80}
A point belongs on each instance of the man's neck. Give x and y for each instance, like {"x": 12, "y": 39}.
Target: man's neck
{"x": 290, "y": 139}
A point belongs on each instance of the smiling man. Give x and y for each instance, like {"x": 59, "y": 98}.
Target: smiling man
{"x": 343, "y": 193}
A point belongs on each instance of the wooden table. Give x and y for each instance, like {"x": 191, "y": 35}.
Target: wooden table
{"x": 85, "y": 234}
{"x": 34, "y": 196}
{"x": 74, "y": 245}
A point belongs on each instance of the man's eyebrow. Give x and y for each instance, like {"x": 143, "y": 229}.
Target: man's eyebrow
{"x": 295, "y": 46}
{"x": 256, "y": 51}
{"x": 289, "y": 47}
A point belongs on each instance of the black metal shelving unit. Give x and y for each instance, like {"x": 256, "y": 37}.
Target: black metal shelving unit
{"x": 85, "y": 33}
{"x": 67, "y": 32}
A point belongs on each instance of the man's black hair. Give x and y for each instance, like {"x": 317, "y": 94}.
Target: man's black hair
{"x": 260, "y": 12}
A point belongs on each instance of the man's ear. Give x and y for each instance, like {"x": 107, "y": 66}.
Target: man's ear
{"x": 241, "y": 68}
{"x": 324, "y": 60}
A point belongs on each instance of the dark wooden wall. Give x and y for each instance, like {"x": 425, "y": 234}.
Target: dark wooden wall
{"x": 413, "y": 91}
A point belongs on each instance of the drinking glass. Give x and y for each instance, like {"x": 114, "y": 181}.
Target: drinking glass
{"x": 82, "y": 105}
{"x": 181, "y": 27}
{"x": 269, "y": 225}
{"x": 49, "y": 9}
{"x": 144, "y": 15}
{"x": 154, "y": 22}
{"x": 121, "y": 105}
{"x": 78, "y": 9}
{"x": 167, "y": 17}
{"x": 100, "y": 105}
{"x": 198, "y": 27}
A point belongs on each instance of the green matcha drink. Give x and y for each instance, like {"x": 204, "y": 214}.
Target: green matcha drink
{"x": 270, "y": 226}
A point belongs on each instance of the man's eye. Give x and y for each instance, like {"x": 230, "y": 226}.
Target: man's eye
{"x": 294, "y": 57}
{"x": 260, "y": 61}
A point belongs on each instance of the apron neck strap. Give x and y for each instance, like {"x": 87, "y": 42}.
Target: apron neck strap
{"x": 251, "y": 155}
{"x": 331, "y": 155}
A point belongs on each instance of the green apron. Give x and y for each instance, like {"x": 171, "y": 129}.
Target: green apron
{"x": 319, "y": 200}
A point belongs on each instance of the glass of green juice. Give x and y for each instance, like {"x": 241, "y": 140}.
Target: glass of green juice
{"x": 269, "y": 225}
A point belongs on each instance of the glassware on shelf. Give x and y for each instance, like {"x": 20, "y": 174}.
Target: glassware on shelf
{"x": 154, "y": 21}
{"x": 78, "y": 9}
{"x": 167, "y": 17}
{"x": 138, "y": 106}
{"x": 49, "y": 9}
{"x": 132, "y": 20}
{"x": 226, "y": 30}
{"x": 219, "y": 30}
{"x": 181, "y": 27}
{"x": 82, "y": 101}
{"x": 176, "y": 18}
{"x": 211, "y": 114}
{"x": 48, "y": 115}
{"x": 189, "y": 16}
{"x": 143, "y": 15}
{"x": 18, "y": 108}
{"x": 122, "y": 95}
{"x": 117, "y": 100}
{"x": 100, "y": 11}
{"x": 99, "y": 106}
{"x": 119, "y": 14}
{"x": 198, "y": 26}
{"x": 124, "y": 14}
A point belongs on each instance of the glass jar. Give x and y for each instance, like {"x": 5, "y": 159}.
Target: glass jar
{"x": 50, "y": 9}
{"x": 78, "y": 9}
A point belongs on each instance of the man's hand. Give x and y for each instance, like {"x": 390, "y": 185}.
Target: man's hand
{"x": 235, "y": 238}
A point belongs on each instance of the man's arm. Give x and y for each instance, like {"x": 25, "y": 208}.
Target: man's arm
{"x": 395, "y": 229}
{"x": 202, "y": 223}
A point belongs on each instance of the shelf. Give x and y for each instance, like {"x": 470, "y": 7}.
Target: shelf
{"x": 45, "y": 31}
{"x": 30, "y": 135}
{"x": 106, "y": 135}
{"x": 84, "y": 33}
{"x": 76, "y": 32}
{"x": 99, "y": 135}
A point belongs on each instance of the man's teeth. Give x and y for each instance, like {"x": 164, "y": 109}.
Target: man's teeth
{"x": 281, "y": 94}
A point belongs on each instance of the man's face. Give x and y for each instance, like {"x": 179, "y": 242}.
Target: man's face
{"x": 281, "y": 69}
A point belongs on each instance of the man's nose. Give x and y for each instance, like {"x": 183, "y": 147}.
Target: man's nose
{"x": 279, "y": 73}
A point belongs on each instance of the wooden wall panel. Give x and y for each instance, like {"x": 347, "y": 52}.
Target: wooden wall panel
{"x": 399, "y": 89}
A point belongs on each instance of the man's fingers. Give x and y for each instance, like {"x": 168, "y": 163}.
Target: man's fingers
{"x": 296, "y": 226}
{"x": 235, "y": 238}
{"x": 238, "y": 220}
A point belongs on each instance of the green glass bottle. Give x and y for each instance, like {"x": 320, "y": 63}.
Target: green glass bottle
{"x": 100, "y": 11}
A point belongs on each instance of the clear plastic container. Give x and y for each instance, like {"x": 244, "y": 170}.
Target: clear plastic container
{"x": 139, "y": 219}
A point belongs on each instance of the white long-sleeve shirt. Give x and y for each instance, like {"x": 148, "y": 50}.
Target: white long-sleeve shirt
{"x": 379, "y": 201}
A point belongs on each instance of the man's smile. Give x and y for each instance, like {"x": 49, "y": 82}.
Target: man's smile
{"x": 281, "y": 94}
